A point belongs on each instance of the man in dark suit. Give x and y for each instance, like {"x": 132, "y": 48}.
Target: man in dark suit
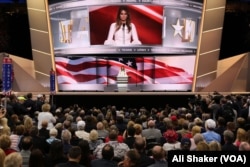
{"x": 107, "y": 158}
{"x": 74, "y": 157}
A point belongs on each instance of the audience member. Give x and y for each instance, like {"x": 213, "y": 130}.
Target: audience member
{"x": 214, "y": 146}
{"x": 81, "y": 133}
{"x": 5, "y": 144}
{"x": 46, "y": 115}
{"x": 2, "y": 157}
{"x": 26, "y": 144}
{"x": 55, "y": 154}
{"x": 159, "y": 156}
{"x": 119, "y": 148}
{"x": 131, "y": 159}
{"x": 185, "y": 144}
{"x": 93, "y": 140}
{"x": 102, "y": 132}
{"x": 172, "y": 142}
{"x": 229, "y": 139}
{"x": 86, "y": 156}
{"x": 140, "y": 146}
{"x": 13, "y": 160}
{"x": 37, "y": 158}
{"x": 74, "y": 158}
{"x": 210, "y": 134}
{"x": 107, "y": 158}
{"x": 151, "y": 132}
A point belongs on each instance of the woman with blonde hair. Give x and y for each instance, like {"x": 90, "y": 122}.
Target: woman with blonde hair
{"x": 214, "y": 146}
{"x": 28, "y": 124}
{"x": 202, "y": 146}
{"x": 4, "y": 128}
{"x": 240, "y": 136}
{"x": 2, "y": 157}
{"x": 46, "y": 115}
{"x": 93, "y": 140}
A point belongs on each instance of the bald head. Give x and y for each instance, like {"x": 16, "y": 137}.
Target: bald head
{"x": 158, "y": 153}
{"x": 99, "y": 126}
{"x": 151, "y": 124}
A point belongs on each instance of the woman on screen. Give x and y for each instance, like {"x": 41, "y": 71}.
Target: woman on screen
{"x": 122, "y": 32}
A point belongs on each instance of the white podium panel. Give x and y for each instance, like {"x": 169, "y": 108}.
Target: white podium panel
{"x": 122, "y": 83}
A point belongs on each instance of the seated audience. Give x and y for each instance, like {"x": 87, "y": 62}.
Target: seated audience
{"x": 107, "y": 158}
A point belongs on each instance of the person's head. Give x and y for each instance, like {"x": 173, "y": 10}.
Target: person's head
{"x": 138, "y": 128}
{"x": 13, "y": 160}
{"x": 228, "y": 136}
{"x": 44, "y": 124}
{"x": 26, "y": 142}
{"x": 185, "y": 144}
{"x": 99, "y": 126}
{"x": 36, "y": 158}
{"x": 131, "y": 158}
{"x": 123, "y": 15}
{"x": 140, "y": 144}
{"x": 5, "y": 141}
{"x": 195, "y": 129}
{"x": 56, "y": 149}
{"x": 202, "y": 146}
{"x": 210, "y": 124}
{"x": 151, "y": 124}
{"x": 214, "y": 146}
{"x": 93, "y": 135}
{"x": 75, "y": 154}
{"x": 81, "y": 125}
{"x": 198, "y": 137}
{"x": 113, "y": 135}
{"x": 66, "y": 136}
{"x": 34, "y": 131}
{"x": 107, "y": 152}
{"x": 84, "y": 145}
{"x": 241, "y": 134}
{"x": 244, "y": 146}
{"x": 171, "y": 136}
{"x": 53, "y": 132}
{"x": 46, "y": 107}
{"x": 158, "y": 153}
{"x": 19, "y": 129}
{"x": 2, "y": 157}
{"x": 131, "y": 131}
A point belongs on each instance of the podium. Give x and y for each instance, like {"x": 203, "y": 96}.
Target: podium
{"x": 122, "y": 83}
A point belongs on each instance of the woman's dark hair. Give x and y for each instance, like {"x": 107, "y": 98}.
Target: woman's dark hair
{"x": 56, "y": 150}
{"x": 118, "y": 20}
{"x": 85, "y": 158}
{"x": 36, "y": 158}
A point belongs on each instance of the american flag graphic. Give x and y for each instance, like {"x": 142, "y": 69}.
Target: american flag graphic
{"x": 141, "y": 70}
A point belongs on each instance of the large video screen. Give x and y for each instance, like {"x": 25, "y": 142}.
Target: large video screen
{"x": 141, "y": 35}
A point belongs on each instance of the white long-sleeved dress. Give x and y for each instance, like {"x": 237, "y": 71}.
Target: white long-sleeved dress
{"x": 122, "y": 36}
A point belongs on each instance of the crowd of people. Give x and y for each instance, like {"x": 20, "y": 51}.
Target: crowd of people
{"x": 35, "y": 133}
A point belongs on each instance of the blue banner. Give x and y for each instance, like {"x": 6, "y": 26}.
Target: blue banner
{"x": 52, "y": 81}
{"x": 7, "y": 75}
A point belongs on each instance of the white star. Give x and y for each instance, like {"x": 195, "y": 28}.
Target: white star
{"x": 129, "y": 63}
{"x": 177, "y": 28}
{"x": 120, "y": 59}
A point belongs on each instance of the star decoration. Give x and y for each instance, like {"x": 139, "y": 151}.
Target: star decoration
{"x": 129, "y": 63}
{"x": 177, "y": 28}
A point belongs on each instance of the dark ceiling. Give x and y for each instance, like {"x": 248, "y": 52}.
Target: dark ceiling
{"x": 15, "y": 35}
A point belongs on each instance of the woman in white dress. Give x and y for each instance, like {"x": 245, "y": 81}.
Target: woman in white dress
{"x": 122, "y": 32}
{"x": 46, "y": 115}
